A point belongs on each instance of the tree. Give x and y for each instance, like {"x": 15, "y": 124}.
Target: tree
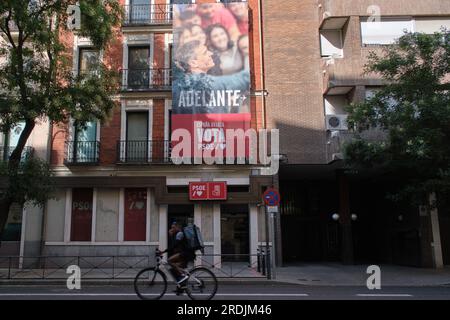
{"x": 37, "y": 80}
{"x": 413, "y": 110}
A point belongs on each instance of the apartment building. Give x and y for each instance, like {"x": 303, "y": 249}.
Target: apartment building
{"x": 117, "y": 188}
{"x": 312, "y": 72}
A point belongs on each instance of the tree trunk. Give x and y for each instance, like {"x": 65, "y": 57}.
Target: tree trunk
{"x": 5, "y": 204}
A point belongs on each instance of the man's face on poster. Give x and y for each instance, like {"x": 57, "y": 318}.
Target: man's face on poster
{"x": 239, "y": 9}
{"x": 206, "y": 10}
{"x": 202, "y": 59}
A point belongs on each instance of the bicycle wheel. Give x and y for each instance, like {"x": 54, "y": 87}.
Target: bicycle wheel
{"x": 201, "y": 284}
{"x": 150, "y": 284}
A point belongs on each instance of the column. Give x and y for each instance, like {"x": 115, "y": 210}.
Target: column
{"x": 253, "y": 233}
{"x": 217, "y": 236}
{"x": 163, "y": 227}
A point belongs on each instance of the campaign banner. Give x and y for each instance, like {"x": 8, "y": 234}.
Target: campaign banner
{"x": 211, "y": 74}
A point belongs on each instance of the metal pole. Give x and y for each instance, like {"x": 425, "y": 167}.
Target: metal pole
{"x": 272, "y": 236}
{"x": 267, "y": 243}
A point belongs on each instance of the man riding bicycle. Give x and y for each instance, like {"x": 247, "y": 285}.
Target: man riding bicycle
{"x": 179, "y": 253}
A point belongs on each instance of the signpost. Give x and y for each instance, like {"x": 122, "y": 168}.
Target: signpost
{"x": 271, "y": 198}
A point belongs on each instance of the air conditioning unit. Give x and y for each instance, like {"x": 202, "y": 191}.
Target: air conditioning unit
{"x": 337, "y": 122}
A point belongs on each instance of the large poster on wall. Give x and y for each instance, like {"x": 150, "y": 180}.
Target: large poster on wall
{"x": 211, "y": 76}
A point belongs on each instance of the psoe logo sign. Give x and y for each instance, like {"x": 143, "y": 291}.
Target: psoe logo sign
{"x": 74, "y": 280}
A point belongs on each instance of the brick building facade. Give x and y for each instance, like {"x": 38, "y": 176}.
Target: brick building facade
{"x": 312, "y": 72}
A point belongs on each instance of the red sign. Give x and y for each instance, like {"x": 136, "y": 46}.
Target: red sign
{"x": 198, "y": 191}
{"x": 207, "y": 190}
{"x": 81, "y": 226}
{"x": 135, "y": 214}
{"x": 217, "y": 191}
{"x": 271, "y": 197}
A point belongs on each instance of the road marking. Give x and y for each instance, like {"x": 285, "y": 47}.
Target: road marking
{"x": 384, "y": 295}
{"x": 167, "y": 294}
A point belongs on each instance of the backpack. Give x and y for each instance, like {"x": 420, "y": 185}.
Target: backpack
{"x": 194, "y": 239}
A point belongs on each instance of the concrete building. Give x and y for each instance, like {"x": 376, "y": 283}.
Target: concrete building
{"x": 312, "y": 71}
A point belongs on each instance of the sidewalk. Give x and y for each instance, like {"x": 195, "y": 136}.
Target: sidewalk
{"x": 335, "y": 274}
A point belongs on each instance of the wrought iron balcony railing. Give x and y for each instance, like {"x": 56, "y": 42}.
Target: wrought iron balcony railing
{"x": 82, "y": 152}
{"x": 148, "y": 14}
{"x": 143, "y": 152}
{"x": 5, "y": 153}
{"x": 146, "y": 79}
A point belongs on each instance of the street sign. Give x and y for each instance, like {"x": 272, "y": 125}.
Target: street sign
{"x": 271, "y": 197}
{"x": 272, "y": 209}
{"x": 207, "y": 190}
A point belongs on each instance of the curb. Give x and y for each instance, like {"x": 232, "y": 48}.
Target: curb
{"x": 109, "y": 282}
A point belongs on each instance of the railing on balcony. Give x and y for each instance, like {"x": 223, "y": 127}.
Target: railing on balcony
{"x": 82, "y": 152}
{"x": 143, "y": 151}
{"x": 148, "y": 14}
{"x": 5, "y": 153}
{"x": 146, "y": 79}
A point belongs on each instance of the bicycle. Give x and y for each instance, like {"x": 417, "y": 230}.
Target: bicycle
{"x": 151, "y": 283}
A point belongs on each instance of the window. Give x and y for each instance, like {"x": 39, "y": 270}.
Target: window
{"x": 135, "y": 215}
{"x": 384, "y": 32}
{"x": 331, "y": 43}
{"x": 140, "y": 11}
{"x": 89, "y": 60}
{"x": 335, "y": 104}
{"x": 430, "y": 25}
{"x": 138, "y": 67}
{"x": 11, "y": 141}
{"x": 81, "y": 224}
{"x": 137, "y": 144}
{"x": 85, "y": 147}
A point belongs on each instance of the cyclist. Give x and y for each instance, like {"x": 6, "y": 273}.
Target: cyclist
{"x": 179, "y": 253}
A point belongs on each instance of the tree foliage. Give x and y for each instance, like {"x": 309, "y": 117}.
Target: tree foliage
{"x": 37, "y": 81}
{"x": 413, "y": 109}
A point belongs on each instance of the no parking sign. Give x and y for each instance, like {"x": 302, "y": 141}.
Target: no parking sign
{"x": 271, "y": 197}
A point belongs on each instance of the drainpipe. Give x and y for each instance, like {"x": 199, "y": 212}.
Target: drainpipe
{"x": 261, "y": 60}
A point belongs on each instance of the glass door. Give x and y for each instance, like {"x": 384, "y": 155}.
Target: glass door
{"x": 137, "y": 144}
{"x": 85, "y": 144}
{"x": 139, "y": 68}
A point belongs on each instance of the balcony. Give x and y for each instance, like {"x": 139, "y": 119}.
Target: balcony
{"x": 144, "y": 152}
{"x": 145, "y": 15}
{"x": 82, "y": 153}
{"x": 146, "y": 79}
{"x": 5, "y": 153}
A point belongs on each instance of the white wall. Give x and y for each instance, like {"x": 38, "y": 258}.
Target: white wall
{"x": 107, "y": 215}
{"x": 55, "y": 217}
{"x": 331, "y": 43}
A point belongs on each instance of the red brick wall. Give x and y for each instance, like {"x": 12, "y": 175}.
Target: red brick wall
{"x": 113, "y": 56}
{"x": 59, "y": 135}
{"x": 109, "y": 135}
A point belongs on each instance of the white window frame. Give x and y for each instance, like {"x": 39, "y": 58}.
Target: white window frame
{"x": 363, "y": 19}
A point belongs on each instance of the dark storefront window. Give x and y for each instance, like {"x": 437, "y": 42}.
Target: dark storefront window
{"x": 135, "y": 214}
{"x": 81, "y": 228}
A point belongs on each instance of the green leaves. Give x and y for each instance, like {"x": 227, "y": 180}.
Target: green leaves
{"x": 37, "y": 80}
{"x": 413, "y": 108}
{"x": 30, "y": 182}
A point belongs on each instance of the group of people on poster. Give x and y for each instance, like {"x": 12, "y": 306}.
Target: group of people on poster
{"x": 211, "y": 58}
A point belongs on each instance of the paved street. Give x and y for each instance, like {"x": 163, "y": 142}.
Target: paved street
{"x": 231, "y": 292}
